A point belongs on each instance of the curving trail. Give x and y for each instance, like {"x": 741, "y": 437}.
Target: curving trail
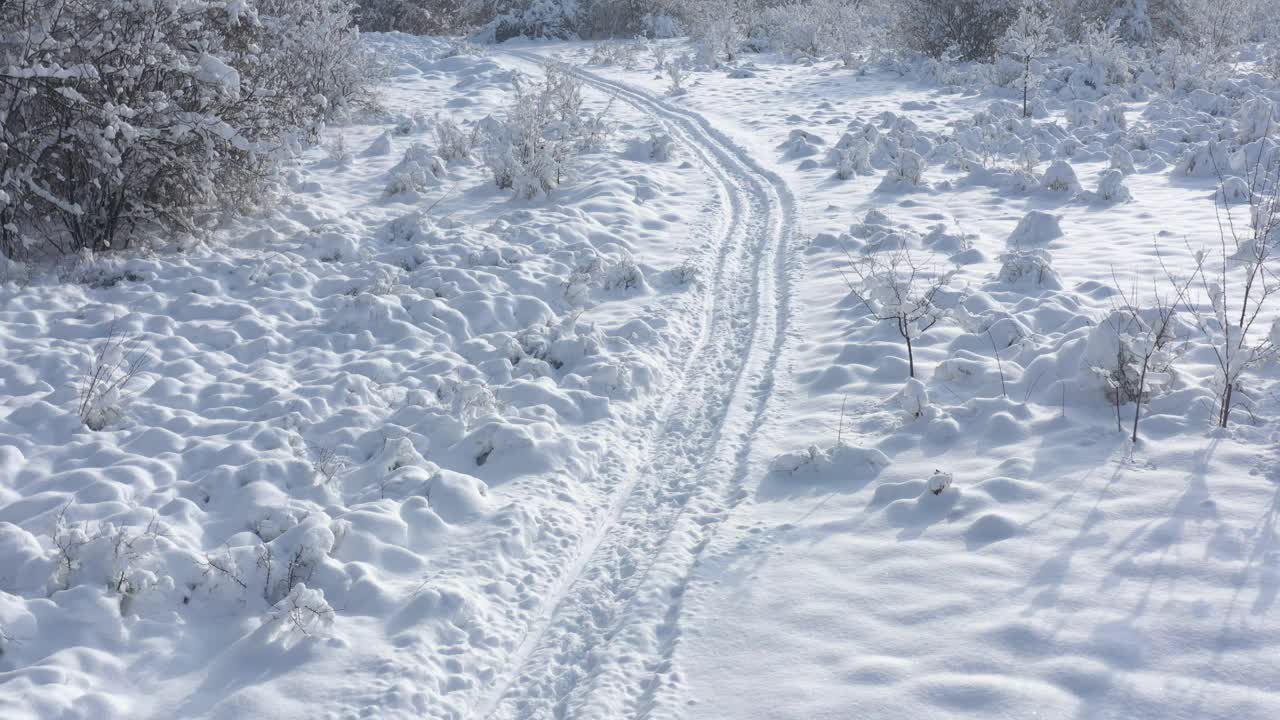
{"x": 605, "y": 647}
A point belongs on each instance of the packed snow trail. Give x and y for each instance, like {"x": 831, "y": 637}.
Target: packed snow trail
{"x": 604, "y": 648}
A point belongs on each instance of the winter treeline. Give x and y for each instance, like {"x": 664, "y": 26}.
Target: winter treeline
{"x": 968, "y": 29}
{"x": 125, "y": 116}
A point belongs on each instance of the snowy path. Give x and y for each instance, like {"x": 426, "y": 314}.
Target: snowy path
{"x": 604, "y": 650}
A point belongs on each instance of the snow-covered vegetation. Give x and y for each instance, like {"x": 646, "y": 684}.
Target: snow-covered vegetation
{"x": 613, "y": 358}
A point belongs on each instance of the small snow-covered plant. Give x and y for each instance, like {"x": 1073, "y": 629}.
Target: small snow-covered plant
{"x": 104, "y": 553}
{"x": 1032, "y": 267}
{"x": 675, "y": 74}
{"x": 419, "y": 170}
{"x": 939, "y": 482}
{"x": 661, "y": 146}
{"x": 1026, "y": 41}
{"x": 686, "y": 273}
{"x": 303, "y": 613}
{"x": 624, "y": 274}
{"x": 910, "y": 168}
{"x": 531, "y": 149}
{"x": 895, "y": 287}
{"x": 1111, "y": 187}
{"x": 452, "y": 142}
{"x": 1146, "y": 345}
{"x": 913, "y": 398}
{"x": 325, "y": 461}
{"x": 586, "y": 275}
{"x": 1060, "y": 177}
{"x": 659, "y": 56}
{"x": 1103, "y": 56}
{"x": 621, "y": 53}
{"x": 338, "y": 152}
{"x": 852, "y": 156}
{"x": 468, "y": 401}
{"x": 113, "y": 369}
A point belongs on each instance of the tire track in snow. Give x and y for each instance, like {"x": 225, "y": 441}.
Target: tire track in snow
{"x": 605, "y": 648}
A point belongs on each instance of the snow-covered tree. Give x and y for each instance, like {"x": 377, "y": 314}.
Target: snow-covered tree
{"x": 1027, "y": 40}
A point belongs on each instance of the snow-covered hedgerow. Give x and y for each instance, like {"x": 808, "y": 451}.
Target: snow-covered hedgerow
{"x": 121, "y": 116}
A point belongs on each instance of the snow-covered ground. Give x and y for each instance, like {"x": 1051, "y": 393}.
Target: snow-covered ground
{"x": 407, "y": 447}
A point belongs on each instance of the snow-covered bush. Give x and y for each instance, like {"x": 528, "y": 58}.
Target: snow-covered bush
{"x": 1036, "y": 228}
{"x": 1111, "y": 187}
{"x": 1060, "y": 177}
{"x": 531, "y": 149}
{"x": 661, "y": 146}
{"x": 622, "y": 53}
{"x": 1236, "y": 288}
{"x": 1101, "y": 59}
{"x": 816, "y": 28}
{"x": 1133, "y": 351}
{"x": 1029, "y": 268}
{"x": 718, "y": 26}
{"x": 939, "y": 482}
{"x": 675, "y": 73}
{"x": 452, "y": 142}
{"x": 970, "y": 27}
{"x": 913, "y": 399}
{"x": 528, "y": 18}
{"x": 122, "y": 116}
{"x": 417, "y": 17}
{"x": 419, "y": 170}
{"x": 301, "y": 614}
{"x": 851, "y": 156}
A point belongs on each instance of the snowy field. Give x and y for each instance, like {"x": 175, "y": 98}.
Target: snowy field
{"x": 407, "y": 446}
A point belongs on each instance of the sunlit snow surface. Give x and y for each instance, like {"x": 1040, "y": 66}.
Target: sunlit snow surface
{"x": 442, "y": 409}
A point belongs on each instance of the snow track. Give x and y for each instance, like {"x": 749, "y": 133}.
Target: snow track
{"x": 604, "y": 647}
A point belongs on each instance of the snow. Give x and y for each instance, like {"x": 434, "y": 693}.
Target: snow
{"x": 411, "y": 445}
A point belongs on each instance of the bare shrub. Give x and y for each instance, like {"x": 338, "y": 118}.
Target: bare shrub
{"x": 895, "y": 287}
{"x": 113, "y": 370}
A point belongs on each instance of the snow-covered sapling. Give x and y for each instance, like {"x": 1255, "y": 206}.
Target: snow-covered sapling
{"x": 1240, "y": 282}
{"x": 1148, "y": 340}
{"x": 895, "y": 287}
{"x": 1026, "y": 41}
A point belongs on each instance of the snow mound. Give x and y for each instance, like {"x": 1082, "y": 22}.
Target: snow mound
{"x": 842, "y": 460}
{"x": 1036, "y": 228}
